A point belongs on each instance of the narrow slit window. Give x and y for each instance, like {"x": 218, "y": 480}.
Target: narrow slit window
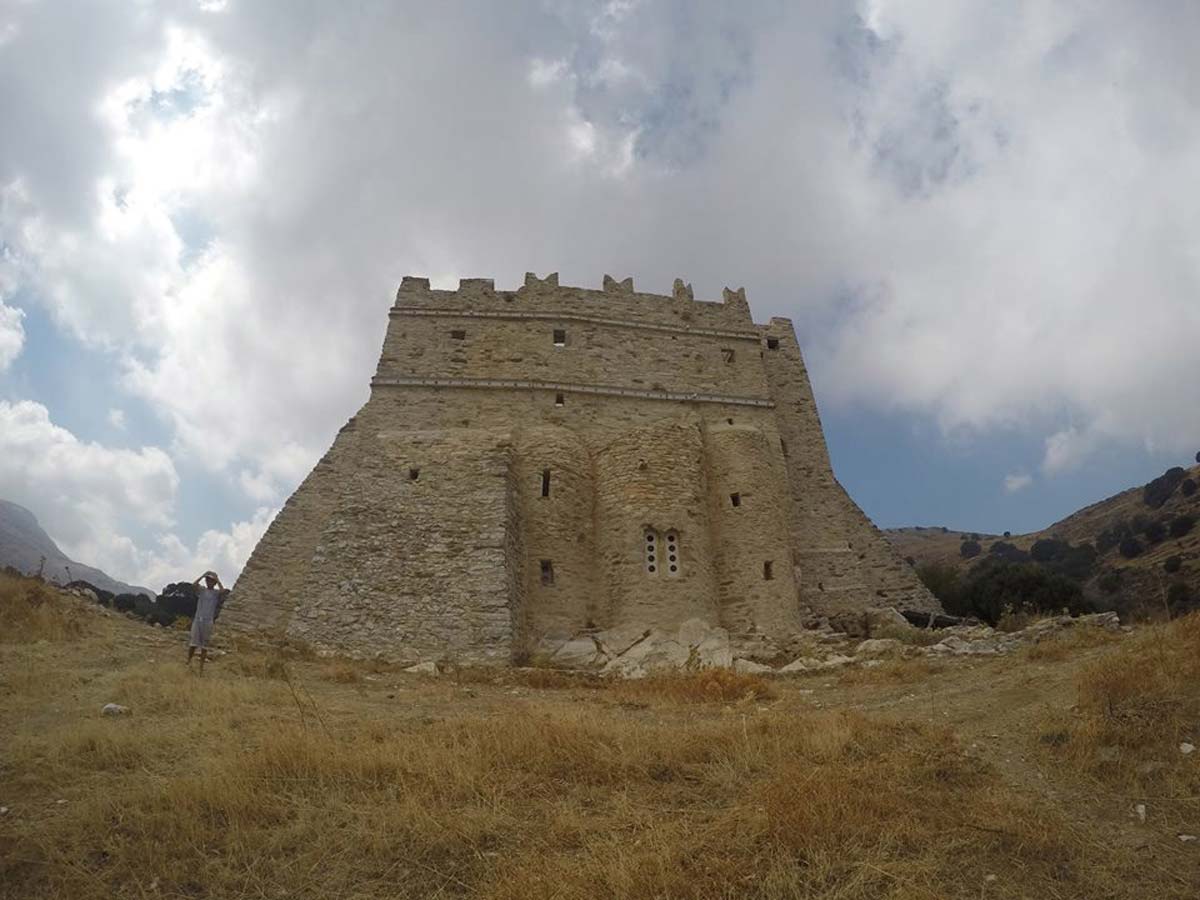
{"x": 727, "y": 354}
{"x": 772, "y": 343}
{"x": 651, "y": 551}
{"x": 735, "y": 499}
{"x": 545, "y": 482}
{"x": 768, "y": 571}
{"x": 783, "y": 447}
{"x": 458, "y": 335}
{"x": 558, "y": 399}
{"x": 547, "y": 572}
{"x": 673, "y": 564}
{"x": 560, "y": 337}
{"x": 414, "y": 474}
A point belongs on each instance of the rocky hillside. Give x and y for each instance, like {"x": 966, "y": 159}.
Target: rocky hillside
{"x": 23, "y": 543}
{"x": 1139, "y": 546}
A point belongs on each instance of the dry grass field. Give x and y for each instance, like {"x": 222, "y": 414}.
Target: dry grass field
{"x": 277, "y": 775}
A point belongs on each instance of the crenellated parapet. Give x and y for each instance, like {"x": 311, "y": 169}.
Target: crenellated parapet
{"x": 616, "y": 298}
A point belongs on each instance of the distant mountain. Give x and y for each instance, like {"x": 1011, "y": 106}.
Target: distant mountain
{"x": 23, "y": 543}
{"x": 1145, "y": 541}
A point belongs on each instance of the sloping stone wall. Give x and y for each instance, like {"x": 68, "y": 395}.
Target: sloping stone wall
{"x": 524, "y": 453}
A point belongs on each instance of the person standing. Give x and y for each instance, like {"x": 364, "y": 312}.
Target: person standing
{"x": 208, "y": 598}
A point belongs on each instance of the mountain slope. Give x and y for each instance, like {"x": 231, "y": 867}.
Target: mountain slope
{"x": 23, "y": 543}
{"x": 1134, "y": 512}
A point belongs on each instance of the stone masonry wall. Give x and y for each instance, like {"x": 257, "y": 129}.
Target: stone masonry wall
{"x": 570, "y": 446}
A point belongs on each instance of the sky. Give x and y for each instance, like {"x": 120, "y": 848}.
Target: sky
{"x": 983, "y": 218}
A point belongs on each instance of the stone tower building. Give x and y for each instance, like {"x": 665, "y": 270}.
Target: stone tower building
{"x": 536, "y": 463}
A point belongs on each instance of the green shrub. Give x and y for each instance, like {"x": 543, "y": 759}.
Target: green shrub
{"x": 1172, "y": 564}
{"x": 1155, "y": 532}
{"x": 1047, "y": 549}
{"x": 1159, "y": 491}
{"x": 1187, "y": 487}
{"x": 1180, "y": 598}
{"x": 1130, "y": 547}
{"x": 1110, "y": 581}
{"x": 1009, "y": 552}
{"x": 996, "y": 587}
{"x": 970, "y": 549}
{"x": 942, "y": 581}
{"x": 1181, "y": 525}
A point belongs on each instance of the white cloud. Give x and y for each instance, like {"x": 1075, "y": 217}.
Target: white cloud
{"x": 1017, "y": 482}
{"x": 225, "y": 552}
{"x": 82, "y": 492}
{"x": 116, "y": 418}
{"x": 976, "y": 212}
{"x": 12, "y": 335}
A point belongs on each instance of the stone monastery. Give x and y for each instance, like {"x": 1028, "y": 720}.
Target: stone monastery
{"x": 551, "y": 461}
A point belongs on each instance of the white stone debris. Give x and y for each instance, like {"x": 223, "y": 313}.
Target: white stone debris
{"x": 1187, "y": 748}
{"x": 878, "y": 647}
{"x": 424, "y": 668}
{"x": 114, "y": 709}
{"x": 1140, "y": 810}
{"x": 1187, "y": 838}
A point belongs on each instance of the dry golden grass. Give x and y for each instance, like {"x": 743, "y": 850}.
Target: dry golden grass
{"x": 1070, "y": 643}
{"x": 703, "y": 686}
{"x": 1137, "y": 704}
{"x": 893, "y": 671}
{"x": 907, "y": 634}
{"x": 236, "y": 785}
{"x": 32, "y": 611}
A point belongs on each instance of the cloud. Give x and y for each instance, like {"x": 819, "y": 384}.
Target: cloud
{"x": 976, "y": 213}
{"x": 1017, "y": 482}
{"x": 116, "y": 418}
{"x": 12, "y": 335}
{"x": 84, "y": 493}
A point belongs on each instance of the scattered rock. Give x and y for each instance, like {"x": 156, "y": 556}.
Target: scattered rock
{"x": 1107, "y": 754}
{"x": 3, "y": 810}
{"x": 579, "y": 653}
{"x": 879, "y": 618}
{"x": 878, "y": 647}
{"x": 1187, "y": 838}
{"x": 1185, "y": 748}
{"x": 1140, "y": 809}
{"x": 799, "y": 665}
{"x": 749, "y": 667}
{"x": 114, "y": 709}
{"x": 424, "y": 668}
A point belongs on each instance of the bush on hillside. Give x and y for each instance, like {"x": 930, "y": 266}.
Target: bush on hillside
{"x": 1047, "y": 549}
{"x": 1180, "y": 599}
{"x": 1172, "y": 564}
{"x": 1009, "y": 552}
{"x": 995, "y": 588}
{"x": 1155, "y": 532}
{"x": 1130, "y": 547}
{"x": 1181, "y": 525}
{"x": 941, "y": 579}
{"x": 1198, "y": 456}
{"x": 1159, "y": 491}
{"x": 1109, "y": 582}
{"x": 1187, "y": 487}
{"x": 970, "y": 549}
{"x": 1008, "y": 534}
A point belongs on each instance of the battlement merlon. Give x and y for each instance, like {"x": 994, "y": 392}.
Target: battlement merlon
{"x": 546, "y": 295}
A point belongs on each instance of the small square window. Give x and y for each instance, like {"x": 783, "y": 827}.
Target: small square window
{"x": 727, "y": 354}
{"x": 458, "y": 335}
{"x": 545, "y": 482}
{"x": 560, "y": 337}
{"x": 772, "y": 343}
{"x": 735, "y": 499}
{"x": 768, "y": 571}
{"x": 414, "y": 474}
{"x": 547, "y": 572}
{"x": 558, "y": 399}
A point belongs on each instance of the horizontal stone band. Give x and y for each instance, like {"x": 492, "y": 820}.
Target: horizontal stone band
{"x": 571, "y": 317}
{"x": 558, "y": 387}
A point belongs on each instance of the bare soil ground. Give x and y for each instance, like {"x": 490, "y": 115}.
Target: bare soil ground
{"x": 280, "y": 775}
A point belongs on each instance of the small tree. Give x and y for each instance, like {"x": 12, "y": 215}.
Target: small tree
{"x": 970, "y": 549}
{"x": 1172, "y": 564}
{"x": 1155, "y": 532}
{"x": 1187, "y": 487}
{"x": 1130, "y": 547}
{"x": 1181, "y": 525}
